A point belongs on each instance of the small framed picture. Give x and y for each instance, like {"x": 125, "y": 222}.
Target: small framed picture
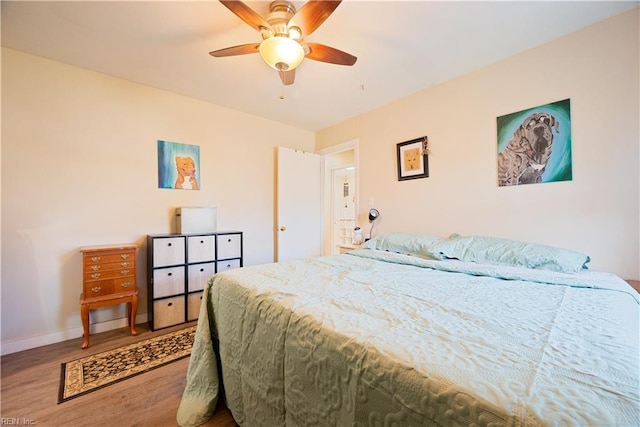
{"x": 413, "y": 159}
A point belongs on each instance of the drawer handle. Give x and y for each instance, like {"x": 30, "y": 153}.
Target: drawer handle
{"x": 124, "y": 256}
{"x": 170, "y": 304}
{"x": 126, "y": 284}
{"x": 124, "y": 264}
{"x": 170, "y": 274}
{"x": 124, "y": 272}
{"x": 96, "y": 289}
{"x": 229, "y": 240}
{"x": 169, "y": 244}
{"x": 201, "y": 241}
{"x": 200, "y": 297}
{"x": 95, "y": 259}
{"x": 201, "y": 270}
{"x": 228, "y": 265}
{"x": 95, "y": 267}
{"x": 95, "y": 275}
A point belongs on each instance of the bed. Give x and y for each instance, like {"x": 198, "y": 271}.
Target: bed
{"x": 415, "y": 330}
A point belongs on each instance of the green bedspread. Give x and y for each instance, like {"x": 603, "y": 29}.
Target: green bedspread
{"x": 378, "y": 338}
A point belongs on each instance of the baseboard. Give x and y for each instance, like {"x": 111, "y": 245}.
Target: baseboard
{"x": 56, "y": 337}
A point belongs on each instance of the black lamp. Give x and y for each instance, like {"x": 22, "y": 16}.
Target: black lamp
{"x": 373, "y": 216}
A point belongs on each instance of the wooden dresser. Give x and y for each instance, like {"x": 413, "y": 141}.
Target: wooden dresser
{"x": 109, "y": 277}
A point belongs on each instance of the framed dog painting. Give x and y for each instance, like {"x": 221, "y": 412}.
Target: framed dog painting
{"x": 178, "y": 166}
{"x": 412, "y": 158}
{"x": 534, "y": 145}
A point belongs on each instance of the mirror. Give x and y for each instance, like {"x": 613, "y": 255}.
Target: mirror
{"x": 373, "y": 214}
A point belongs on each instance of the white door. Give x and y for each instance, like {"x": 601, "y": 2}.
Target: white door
{"x": 299, "y": 204}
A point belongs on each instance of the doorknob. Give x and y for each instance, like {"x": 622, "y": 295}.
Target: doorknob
{"x": 283, "y": 228}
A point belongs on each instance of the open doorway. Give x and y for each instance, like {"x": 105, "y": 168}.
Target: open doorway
{"x": 344, "y": 208}
{"x": 340, "y": 196}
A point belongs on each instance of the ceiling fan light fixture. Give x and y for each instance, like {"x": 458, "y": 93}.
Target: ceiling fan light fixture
{"x": 295, "y": 33}
{"x": 281, "y": 53}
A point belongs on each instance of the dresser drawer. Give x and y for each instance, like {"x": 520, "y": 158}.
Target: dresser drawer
{"x": 229, "y": 246}
{"x": 168, "y": 281}
{"x": 227, "y": 265}
{"x": 168, "y": 251}
{"x": 104, "y": 257}
{"x": 91, "y": 276}
{"x": 194, "y": 301}
{"x": 201, "y": 248}
{"x": 168, "y": 312}
{"x": 106, "y": 266}
{"x": 199, "y": 274}
{"x": 109, "y": 287}
{"x": 98, "y": 288}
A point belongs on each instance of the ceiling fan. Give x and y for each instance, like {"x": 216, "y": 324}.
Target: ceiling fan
{"x": 283, "y": 32}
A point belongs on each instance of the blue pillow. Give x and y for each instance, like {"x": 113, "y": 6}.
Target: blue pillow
{"x": 404, "y": 243}
{"x": 495, "y": 250}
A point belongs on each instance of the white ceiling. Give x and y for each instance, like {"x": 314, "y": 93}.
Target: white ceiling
{"x": 402, "y": 47}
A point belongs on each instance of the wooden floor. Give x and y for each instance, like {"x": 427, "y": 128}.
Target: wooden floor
{"x": 30, "y": 381}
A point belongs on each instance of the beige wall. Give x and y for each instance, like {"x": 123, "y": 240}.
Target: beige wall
{"x": 79, "y": 167}
{"x": 597, "y": 212}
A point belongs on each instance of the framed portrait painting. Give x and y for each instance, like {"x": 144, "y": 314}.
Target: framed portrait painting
{"x": 178, "y": 166}
{"x": 413, "y": 160}
{"x": 534, "y": 145}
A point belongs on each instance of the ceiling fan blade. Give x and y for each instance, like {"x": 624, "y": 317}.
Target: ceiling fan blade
{"x": 287, "y": 77}
{"x": 312, "y": 14}
{"x": 323, "y": 53}
{"x": 242, "y": 49}
{"x": 247, "y": 14}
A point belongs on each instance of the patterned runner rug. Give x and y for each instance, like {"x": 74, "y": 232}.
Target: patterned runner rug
{"x": 90, "y": 373}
